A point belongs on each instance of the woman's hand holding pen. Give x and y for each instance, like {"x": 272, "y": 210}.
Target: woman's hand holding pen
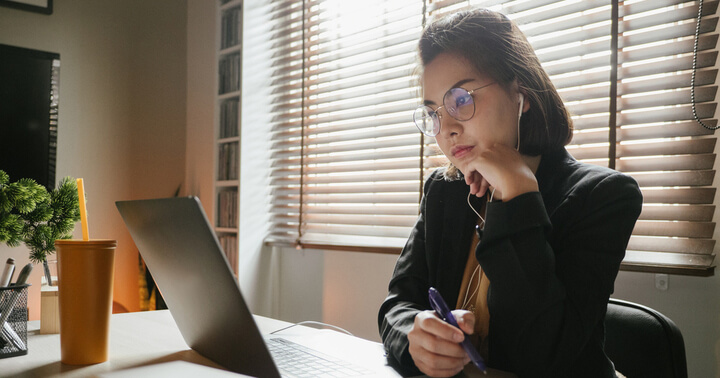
{"x": 435, "y": 344}
{"x": 504, "y": 169}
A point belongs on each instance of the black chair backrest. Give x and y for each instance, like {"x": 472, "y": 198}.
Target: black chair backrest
{"x": 642, "y": 342}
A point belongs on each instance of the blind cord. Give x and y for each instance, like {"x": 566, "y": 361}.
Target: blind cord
{"x": 694, "y": 70}
{"x": 313, "y": 323}
{"x": 301, "y": 210}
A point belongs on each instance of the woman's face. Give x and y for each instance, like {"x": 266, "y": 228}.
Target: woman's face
{"x": 496, "y": 109}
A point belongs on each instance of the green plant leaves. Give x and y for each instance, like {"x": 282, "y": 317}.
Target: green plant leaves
{"x": 29, "y": 214}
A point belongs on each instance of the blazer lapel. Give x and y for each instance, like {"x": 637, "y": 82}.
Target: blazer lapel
{"x": 458, "y": 226}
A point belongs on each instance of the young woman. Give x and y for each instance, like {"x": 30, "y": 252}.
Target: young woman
{"x": 521, "y": 238}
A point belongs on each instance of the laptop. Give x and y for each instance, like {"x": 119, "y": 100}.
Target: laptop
{"x": 189, "y": 267}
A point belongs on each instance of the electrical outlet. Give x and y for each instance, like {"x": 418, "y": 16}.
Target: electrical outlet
{"x": 661, "y": 282}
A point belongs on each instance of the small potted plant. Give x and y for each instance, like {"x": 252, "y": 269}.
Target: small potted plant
{"x": 31, "y": 215}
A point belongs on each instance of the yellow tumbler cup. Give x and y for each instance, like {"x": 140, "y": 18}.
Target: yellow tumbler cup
{"x": 85, "y": 275}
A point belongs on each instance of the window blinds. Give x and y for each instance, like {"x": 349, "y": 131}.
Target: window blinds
{"x": 349, "y": 164}
{"x": 353, "y": 150}
{"x": 659, "y": 143}
{"x": 282, "y": 50}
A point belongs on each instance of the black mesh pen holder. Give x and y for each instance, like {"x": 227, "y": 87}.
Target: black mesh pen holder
{"x": 13, "y": 320}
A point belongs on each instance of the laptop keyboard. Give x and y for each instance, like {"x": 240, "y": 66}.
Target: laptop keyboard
{"x": 295, "y": 360}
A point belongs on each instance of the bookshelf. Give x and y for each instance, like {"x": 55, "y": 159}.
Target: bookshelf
{"x": 227, "y": 130}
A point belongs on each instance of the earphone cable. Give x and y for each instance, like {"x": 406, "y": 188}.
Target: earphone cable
{"x": 694, "y": 70}
{"x": 313, "y": 323}
{"x": 467, "y": 299}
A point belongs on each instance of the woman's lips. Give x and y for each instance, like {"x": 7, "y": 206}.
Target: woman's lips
{"x": 460, "y": 151}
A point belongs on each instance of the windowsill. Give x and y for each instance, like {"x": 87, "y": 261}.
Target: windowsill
{"x": 336, "y": 247}
{"x": 682, "y": 271}
{"x": 700, "y": 271}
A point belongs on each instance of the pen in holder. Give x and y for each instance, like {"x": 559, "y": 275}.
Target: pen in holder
{"x": 13, "y": 320}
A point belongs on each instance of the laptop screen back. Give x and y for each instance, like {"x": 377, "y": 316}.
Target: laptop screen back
{"x": 182, "y": 253}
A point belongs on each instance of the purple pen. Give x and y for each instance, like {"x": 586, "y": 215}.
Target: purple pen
{"x": 443, "y": 311}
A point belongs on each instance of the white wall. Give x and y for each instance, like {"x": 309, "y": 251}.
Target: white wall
{"x": 201, "y": 89}
{"x": 122, "y": 110}
{"x": 344, "y": 289}
{"x": 257, "y": 272}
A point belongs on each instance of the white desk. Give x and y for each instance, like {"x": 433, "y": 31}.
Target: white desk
{"x": 136, "y": 339}
{"x": 147, "y": 338}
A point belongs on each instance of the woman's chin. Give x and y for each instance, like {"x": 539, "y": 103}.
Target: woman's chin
{"x": 462, "y": 170}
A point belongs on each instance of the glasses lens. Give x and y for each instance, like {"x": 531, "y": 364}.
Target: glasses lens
{"x": 459, "y": 104}
{"x": 426, "y": 120}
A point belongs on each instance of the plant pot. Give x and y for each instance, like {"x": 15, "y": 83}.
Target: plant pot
{"x": 49, "y": 310}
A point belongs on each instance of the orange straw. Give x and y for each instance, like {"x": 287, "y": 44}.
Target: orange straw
{"x": 83, "y": 211}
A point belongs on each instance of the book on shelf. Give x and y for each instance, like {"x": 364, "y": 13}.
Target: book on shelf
{"x": 229, "y": 73}
{"x": 231, "y": 27}
{"x": 229, "y": 244}
{"x": 229, "y": 118}
{"x": 227, "y": 209}
{"x": 229, "y": 82}
{"x": 228, "y": 161}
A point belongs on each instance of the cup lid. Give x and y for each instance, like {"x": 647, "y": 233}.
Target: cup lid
{"x": 103, "y": 242}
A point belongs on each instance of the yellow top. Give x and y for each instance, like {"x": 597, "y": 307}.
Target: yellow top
{"x": 474, "y": 298}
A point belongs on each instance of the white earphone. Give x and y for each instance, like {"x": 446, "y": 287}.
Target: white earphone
{"x": 520, "y": 112}
{"x": 522, "y": 102}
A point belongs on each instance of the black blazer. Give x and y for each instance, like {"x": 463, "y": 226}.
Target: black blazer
{"x": 551, "y": 256}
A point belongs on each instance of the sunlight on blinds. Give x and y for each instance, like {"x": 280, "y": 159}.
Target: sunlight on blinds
{"x": 669, "y": 154}
{"x": 360, "y": 152}
{"x": 348, "y": 164}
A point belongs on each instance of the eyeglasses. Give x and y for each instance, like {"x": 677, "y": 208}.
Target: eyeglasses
{"x": 458, "y": 103}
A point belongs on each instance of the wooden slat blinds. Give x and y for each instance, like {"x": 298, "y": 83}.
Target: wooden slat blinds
{"x": 675, "y": 171}
{"x": 356, "y": 154}
{"x": 348, "y": 162}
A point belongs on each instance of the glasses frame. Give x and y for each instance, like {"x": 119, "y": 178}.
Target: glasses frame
{"x": 437, "y": 117}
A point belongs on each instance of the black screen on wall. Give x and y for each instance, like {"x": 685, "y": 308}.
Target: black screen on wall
{"x": 28, "y": 114}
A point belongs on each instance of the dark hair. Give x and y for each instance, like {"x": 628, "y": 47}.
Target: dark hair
{"x": 496, "y": 47}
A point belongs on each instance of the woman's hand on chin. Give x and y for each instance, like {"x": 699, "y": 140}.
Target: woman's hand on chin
{"x": 504, "y": 169}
